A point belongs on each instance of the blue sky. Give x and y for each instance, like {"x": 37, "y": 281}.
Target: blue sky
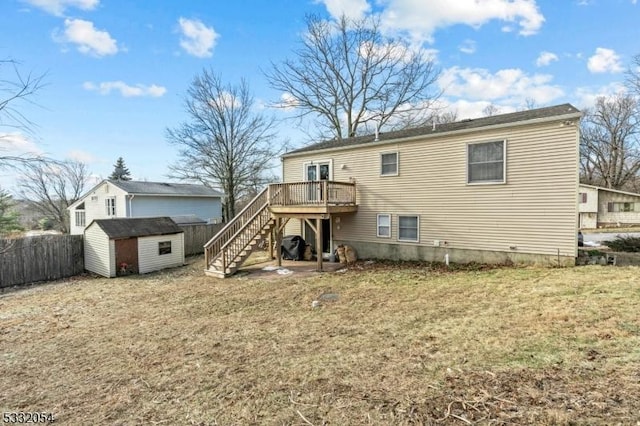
{"x": 117, "y": 70}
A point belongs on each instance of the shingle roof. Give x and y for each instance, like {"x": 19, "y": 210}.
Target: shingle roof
{"x": 165, "y": 188}
{"x": 137, "y": 227}
{"x": 515, "y": 117}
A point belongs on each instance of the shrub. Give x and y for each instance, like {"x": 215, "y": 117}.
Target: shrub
{"x": 624, "y": 243}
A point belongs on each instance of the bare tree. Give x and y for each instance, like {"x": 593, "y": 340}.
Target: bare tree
{"x": 226, "y": 143}
{"x": 15, "y": 88}
{"x": 349, "y": 77}
{"x": 53, "y": 187}
{"x": 490, "y": 110}
{"x": 633, "y": 76}
{"x": 609, "y": 144}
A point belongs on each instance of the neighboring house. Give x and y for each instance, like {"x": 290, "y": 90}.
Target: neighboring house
{"x": 121, "y": 199}
{"x": 495, "y": 189}
{"x": 115, "y": 247}
{"x": 600, "y": 207}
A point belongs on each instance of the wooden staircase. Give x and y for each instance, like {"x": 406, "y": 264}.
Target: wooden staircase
{"x": 230, "y": 247}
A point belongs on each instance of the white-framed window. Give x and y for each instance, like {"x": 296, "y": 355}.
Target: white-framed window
{"x": 389, "y": 164}
{"x": 408, "y": 228}
{"x": 110, "y": 204}
{"x": 486, "y": 162}
{"x": 80, "y": 218}
{"x": 384, "y": 226}
{"x": 622, "y": 206}
{"x": 164, "y": 247}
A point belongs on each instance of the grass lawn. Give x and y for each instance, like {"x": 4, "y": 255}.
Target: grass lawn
{"x": 401, "y": 344}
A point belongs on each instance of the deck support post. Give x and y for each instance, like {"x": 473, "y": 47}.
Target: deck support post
{"x": 319, "y": 243}
{"x": 278, "y": 241}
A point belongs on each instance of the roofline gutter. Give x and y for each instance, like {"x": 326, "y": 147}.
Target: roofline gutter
{"x": 571, "y": 116}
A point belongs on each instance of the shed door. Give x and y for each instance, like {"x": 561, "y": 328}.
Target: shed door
{"x": 126, "y": 256}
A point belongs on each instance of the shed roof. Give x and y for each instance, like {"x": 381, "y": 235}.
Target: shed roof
{"x": 165, "y": 188}
{"x": 137, "y": 227}
{"x": 469, "y": 124}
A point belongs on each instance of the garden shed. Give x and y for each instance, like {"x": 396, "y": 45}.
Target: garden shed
{"x": 114, "y": 247}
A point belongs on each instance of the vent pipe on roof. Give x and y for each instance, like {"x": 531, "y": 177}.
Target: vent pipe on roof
{"x": 377, "y": 130}
{"x": 434, "y": 126}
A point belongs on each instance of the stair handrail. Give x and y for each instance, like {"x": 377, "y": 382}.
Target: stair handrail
{"x": 220, "y": 235}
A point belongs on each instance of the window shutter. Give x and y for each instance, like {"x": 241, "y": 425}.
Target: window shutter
{"x": 610, "y": 207}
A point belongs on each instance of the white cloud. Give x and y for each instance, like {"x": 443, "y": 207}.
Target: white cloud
{"x": 545, "y": 58}
{"x": 127, "y": 91}
{"x": 422, "y": 18}
{"x": 87, "y": 38}
{"x": 354, "y": 9}
{"x": 58, "y": 7}
{"x": 197, "y": 39}
{"x": 16, "y": 144}
{"x": 468, "y": 46}
{"x": 508, "y": 86}
{"x": 604, "y": 60}
{"x": 586, "y": 96}
{"x": 82, "y": 156}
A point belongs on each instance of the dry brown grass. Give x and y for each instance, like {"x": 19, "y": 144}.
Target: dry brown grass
{"x": 401, "y": 345}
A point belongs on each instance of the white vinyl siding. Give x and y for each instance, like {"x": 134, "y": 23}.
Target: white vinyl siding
{"x": 389, "y": 164}
{"x": 486, "y": 162}
{"x": 535, "y": 210}
{"x": 99, "y": 252}
{"x": 149, "y": 258}
{"x": 409, "y": 228}
{"x": 384, "y": 226}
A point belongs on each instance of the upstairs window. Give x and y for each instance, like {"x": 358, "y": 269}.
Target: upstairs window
{"x": 110, "y": 204}
{"x": 389, "y": 164}
{"x": 582, "y": 197}
{"x": 486, "y": 162}
{"x": 80, "y": 218}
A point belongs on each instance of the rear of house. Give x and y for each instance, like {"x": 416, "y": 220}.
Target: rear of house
{"x": 495, "y": 189}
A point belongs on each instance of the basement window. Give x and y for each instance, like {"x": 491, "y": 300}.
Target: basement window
{"x": 408, "y": 228}
{"x": 164, "y": 247}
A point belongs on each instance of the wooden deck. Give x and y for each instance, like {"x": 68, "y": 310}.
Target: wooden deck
{"x": 317, "y": 199}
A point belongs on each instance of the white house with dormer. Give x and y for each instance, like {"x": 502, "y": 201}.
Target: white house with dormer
{"x": 125, "y": 199}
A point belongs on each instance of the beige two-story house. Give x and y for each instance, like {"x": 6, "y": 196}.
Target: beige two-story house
{"x": 493, "y": 189}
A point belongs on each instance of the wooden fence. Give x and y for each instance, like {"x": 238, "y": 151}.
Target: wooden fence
{"x": 196, "y": 236}
{"x": 41, "y": 258}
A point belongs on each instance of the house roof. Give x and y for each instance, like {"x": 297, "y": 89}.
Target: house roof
{"x": 165, "y": 188}
{"x": 188, "y": 219}
{"x": 539, "y": 114}
{"x": 137, "y": 227}
{"x": 617, "y": 191}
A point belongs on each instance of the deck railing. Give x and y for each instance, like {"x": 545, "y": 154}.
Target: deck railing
{"x": 316, "y": 193}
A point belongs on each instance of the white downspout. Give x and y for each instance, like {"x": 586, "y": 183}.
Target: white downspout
{"x": 131, "y": 205}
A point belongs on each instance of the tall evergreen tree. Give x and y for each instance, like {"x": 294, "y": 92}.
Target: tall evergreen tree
{"x": 120, "y": 171}
{"x": 8, "y": 219}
